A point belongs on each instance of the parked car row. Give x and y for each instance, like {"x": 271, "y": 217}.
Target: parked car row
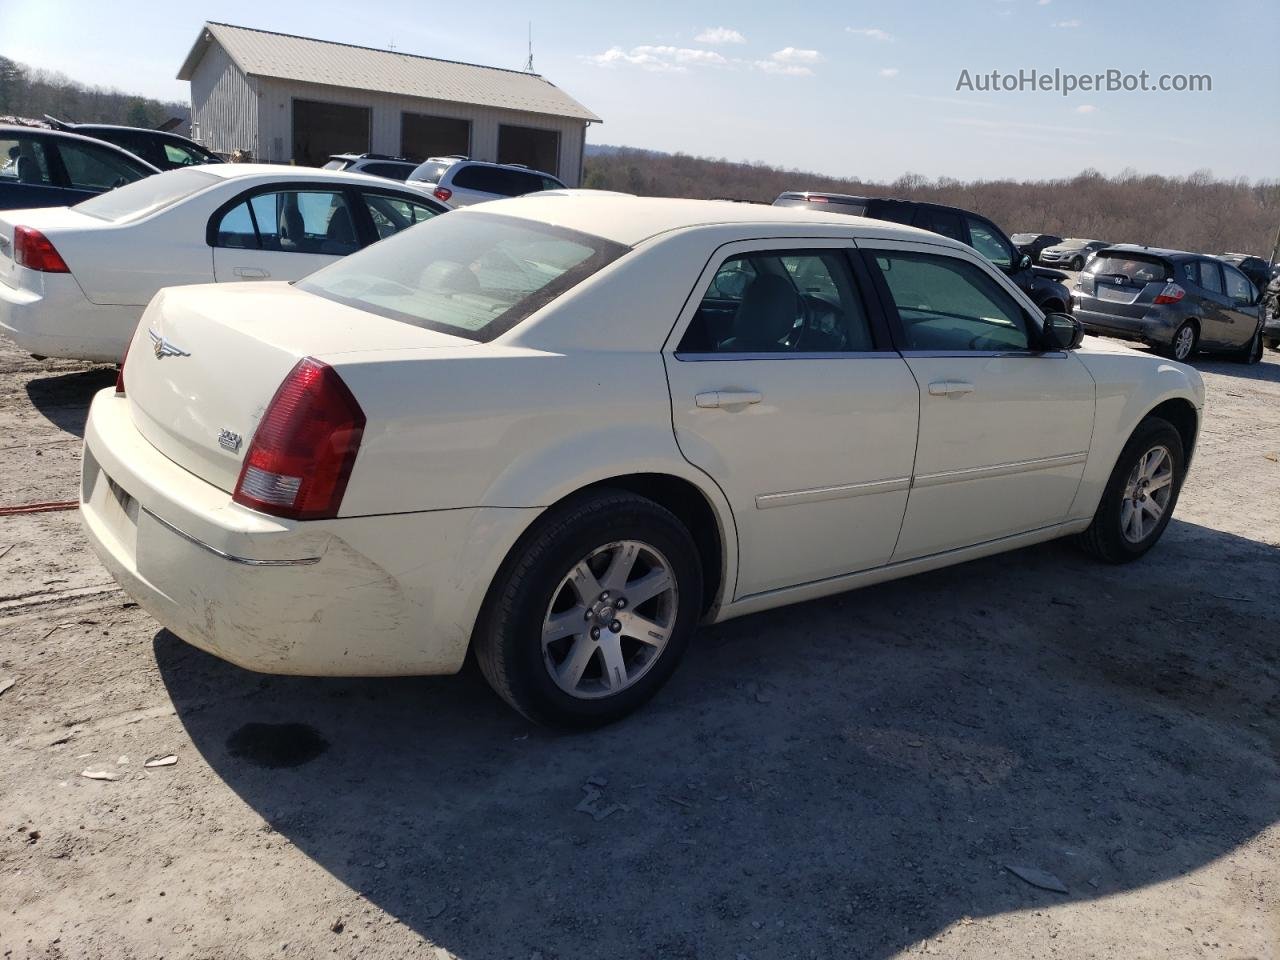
{"x": 74, "y": 281}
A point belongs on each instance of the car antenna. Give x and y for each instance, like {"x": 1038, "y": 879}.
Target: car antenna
{"x": 528, "y": 64}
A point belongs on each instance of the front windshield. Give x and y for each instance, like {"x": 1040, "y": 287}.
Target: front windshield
{"x": 469, "y": 274}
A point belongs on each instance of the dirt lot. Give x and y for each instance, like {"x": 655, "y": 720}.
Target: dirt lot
{"x": 847, "y": 778}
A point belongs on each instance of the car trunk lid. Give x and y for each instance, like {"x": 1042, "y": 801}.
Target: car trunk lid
{"x": 56, "y": 223}
{"x": 1124, "y": 284}
{"x": 205, "y": 362}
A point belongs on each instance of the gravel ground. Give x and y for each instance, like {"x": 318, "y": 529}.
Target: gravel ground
{"x": 852, "y": 777}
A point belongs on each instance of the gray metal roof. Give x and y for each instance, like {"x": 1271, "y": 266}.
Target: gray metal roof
{"x": 284, "y": 56}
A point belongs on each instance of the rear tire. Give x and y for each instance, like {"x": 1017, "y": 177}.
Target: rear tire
{"x": 1185, "y": 340}
{"x": 553, "y": 639}
{"x": 1154, "y": 453}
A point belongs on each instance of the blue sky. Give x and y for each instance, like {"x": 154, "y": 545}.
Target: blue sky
{"x": 848, "y": 88}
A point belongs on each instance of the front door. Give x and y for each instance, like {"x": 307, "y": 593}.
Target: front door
{"x": 804, "y": 418}
{"x": 1004, "y": 427}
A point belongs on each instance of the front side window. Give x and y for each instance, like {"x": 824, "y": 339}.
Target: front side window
{"x": 473, "y": 276}
{"x": 1239, "y": 288}
{"x": 780, "y": 302}
{"x": 24, "y": 160}
{"x": 989, "y": 243}
{"x": 291, "y": 221}
{"x": 91, "y": 168}
{"x": 947, "y": 304}
{"x": 393, "y": 214}
{"x": 179, "y": 156}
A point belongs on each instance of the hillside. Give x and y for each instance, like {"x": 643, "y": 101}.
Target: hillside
{"x": 1193, "y": 213}
{"x": 30, "y": 92}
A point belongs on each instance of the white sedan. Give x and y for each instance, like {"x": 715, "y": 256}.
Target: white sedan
{"x": 75, "y": 280}
{"x": 565, "y": 429}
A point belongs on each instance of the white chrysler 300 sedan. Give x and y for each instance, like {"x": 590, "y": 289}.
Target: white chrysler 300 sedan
{"x": 564, "y": 429}
{"x": 75, "y": 280}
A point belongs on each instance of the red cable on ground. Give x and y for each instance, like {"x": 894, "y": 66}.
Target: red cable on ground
{"x": 50, "y": 507}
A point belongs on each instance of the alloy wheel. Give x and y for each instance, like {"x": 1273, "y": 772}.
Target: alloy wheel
{"x": 1146, "y": 494}
{"x": 609, "y": 620}
{"x": 1184, "y": 342}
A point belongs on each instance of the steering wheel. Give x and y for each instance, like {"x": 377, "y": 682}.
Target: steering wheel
{"x": 796, "y": 341}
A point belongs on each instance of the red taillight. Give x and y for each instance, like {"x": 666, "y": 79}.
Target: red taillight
{"x": 1171, "y": 293}
{"x": 120, "y": 370}
{"x": 32, "y": 249}
{"x": 442, "y": 193}
{"x": 301, "y": 456}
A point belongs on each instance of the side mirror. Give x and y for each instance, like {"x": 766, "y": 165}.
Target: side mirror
{"x": 1062, "y": 331}
{"x": 1024, "y": 263}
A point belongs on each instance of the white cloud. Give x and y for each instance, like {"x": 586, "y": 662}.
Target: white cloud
{"x": 1066, "y": 24}
{"x": 794, "y": 55}
{"x": 658, "y": 59}
{"x": 873, "y": 33}
{"x": 1086, "y": 108}
{"x": 782, "y": 69}
{"x": 889, "y": 72}
{"x": 719, "y": 35}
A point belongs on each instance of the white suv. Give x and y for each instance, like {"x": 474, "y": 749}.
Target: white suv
{"x": 460, "y": 181}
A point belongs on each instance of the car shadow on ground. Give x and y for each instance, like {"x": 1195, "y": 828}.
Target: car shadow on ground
{"x": 1266, "y": 371}
{"x": 64, "y": 398}
{"x": 845, "y": 776}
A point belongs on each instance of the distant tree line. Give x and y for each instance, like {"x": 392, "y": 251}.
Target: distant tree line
{"x": 1195, "y": 212}
{"x": 30, "y": 92}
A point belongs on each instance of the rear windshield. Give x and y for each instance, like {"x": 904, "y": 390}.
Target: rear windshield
{"x": 829, "y": 206}
{"x": 430, "y": 171}
{"x": 147, "y": 195}
{"x": 473, "y": 275}
{"x": 336, "y": 164}
{"x": 1134, "y": 267}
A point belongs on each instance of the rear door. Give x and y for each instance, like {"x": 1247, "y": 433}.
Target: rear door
{"x": 1217, "y": 328}
{"x": 787, "y": 395}
{"x": 283, "y": 232}
{"x": 476, "y": 183}
{"x": 1004, "y": 427}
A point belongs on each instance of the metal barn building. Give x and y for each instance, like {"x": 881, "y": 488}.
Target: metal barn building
{"x": 282, "y": 99}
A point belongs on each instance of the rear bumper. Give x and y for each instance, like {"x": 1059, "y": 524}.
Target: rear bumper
{"x": 361, "y": 596}
{"x": 57, "y": 321}
{"x": 1147, "y": 329}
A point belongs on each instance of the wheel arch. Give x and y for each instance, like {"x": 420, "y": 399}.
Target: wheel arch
{"x": 1184, "y": 417}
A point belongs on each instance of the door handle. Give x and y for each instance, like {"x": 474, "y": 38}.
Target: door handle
{"x": 726, "y": 398}
{"x": 251, "y": 273}
{"x": 949, "y": 388}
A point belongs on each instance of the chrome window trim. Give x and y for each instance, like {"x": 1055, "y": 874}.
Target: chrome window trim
{"x": 944, "y": 354}
{"x": 247, "y": 561}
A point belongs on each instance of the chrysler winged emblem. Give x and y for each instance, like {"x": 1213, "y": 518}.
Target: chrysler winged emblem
{"x": 163, "y": 348}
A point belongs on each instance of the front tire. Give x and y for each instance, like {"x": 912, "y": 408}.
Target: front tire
{"x": 592, "y": 610}
{"x": 1140, "y": 496}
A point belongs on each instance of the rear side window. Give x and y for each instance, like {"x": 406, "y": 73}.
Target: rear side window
{"x": 1136, "y": 269}
{"x": 430, "y": 172}
{"x": 470, "y": 275}
{"x": 24, "y": 160}
{"x": 780, "y": 302}
{"x": 1210, "y": 276}
{"x": 395, "y": 171}
{"x": 939, "y": 221}
{"x": 948, "y": 304}
{"x": 147, "y": 195}
{"x": 484, "y": 179}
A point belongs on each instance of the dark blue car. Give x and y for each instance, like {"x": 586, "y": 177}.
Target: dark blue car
{"x": 47, "y": 168}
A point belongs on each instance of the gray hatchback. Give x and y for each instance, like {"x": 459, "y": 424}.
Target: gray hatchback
{"x": 1178, "y": 302}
